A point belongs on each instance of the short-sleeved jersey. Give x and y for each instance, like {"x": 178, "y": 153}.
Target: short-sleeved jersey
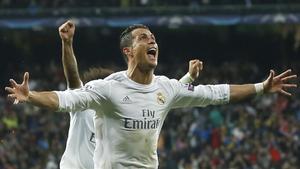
{"x": 129, "y": 115}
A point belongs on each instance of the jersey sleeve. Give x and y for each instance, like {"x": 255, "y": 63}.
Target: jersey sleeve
{"x": 187, "y": 78}
{"x": 92, "y": 95}
{"x": 187, "y": 95}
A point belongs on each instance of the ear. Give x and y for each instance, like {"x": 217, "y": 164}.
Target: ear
{"x": 127, "y": 52}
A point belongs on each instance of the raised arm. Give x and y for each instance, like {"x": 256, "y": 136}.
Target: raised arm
{"x": 273, "y": 84}
{"x": 203, "y": 95}
{"x": 21, "y": 93}
{"x": 195, "y": 67}
{"x": 84, "y": 98}
{"x": 66, "y": 32}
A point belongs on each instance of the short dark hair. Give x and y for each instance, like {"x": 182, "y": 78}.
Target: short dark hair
{"x": 95, "y": 73}
{"x": 126, "y": 37}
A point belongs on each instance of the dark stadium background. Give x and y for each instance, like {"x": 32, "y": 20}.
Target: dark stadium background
{"x": 238, "y": 41}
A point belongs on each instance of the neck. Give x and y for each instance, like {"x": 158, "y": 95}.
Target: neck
{"x": 140, "y": 76}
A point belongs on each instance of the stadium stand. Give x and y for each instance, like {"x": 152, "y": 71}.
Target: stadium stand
{"x": 260, "y": 133}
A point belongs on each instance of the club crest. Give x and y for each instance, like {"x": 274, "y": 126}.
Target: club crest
{"x": 161, "y": 99}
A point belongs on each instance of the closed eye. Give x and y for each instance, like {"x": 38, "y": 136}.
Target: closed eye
{"x": 142, "y": 37}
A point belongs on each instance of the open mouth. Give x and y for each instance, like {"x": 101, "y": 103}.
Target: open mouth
{"x": 152, "y": 52}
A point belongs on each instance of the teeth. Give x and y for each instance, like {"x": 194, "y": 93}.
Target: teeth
{"x": 152, "y": 49}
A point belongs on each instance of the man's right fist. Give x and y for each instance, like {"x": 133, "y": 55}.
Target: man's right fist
{"x": 66, "y": 31}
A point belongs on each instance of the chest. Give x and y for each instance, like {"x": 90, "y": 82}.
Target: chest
{"x": 139, "y": 106}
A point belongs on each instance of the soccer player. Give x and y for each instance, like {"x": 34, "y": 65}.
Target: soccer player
{"x": 132, "y": 105}
{"x": 80, "y": 144}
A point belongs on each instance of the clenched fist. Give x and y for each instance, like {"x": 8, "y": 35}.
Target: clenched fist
{"x": 195, "y": 67}
{"x": 66, "y": 31}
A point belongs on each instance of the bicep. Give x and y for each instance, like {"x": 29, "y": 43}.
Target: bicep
{"x": 79, "y": 100}
{"x": 201, "y": 95}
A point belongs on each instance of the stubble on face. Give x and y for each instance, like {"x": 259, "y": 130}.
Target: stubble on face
{"x": 144, "y": 49}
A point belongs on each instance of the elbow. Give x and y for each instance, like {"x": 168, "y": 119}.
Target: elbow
{"x": 54, "y": 103}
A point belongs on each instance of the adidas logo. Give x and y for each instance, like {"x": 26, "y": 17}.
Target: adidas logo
{"x": 126, "y": 100}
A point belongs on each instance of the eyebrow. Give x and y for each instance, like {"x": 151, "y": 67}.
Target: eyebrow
{"x": 142, "y": 34}
{"x": 152, "y": 35}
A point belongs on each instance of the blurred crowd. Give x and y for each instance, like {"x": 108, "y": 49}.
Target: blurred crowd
{"x": 260, "y": 133}
{"x": 33, "y": 138}
{"x": 130, "y": 3}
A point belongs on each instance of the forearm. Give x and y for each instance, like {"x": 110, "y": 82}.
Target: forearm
{"x": 47, "y": 100}
{"x": 187, "y": 78}
{"x": 70, "y": 65}
{"x": 240, "y": 92}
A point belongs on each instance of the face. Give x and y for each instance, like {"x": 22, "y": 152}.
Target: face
{"x": 144, "y": 49}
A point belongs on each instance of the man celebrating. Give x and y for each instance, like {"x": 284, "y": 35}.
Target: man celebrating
{"x": 80, "y": 144}
{"x": 132, "y": 105}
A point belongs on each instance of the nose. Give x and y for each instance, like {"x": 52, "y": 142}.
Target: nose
{"x": 151, "y": 41}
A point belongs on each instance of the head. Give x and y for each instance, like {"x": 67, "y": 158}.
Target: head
{"x": 139, "y": 47}
{"x": 96, "y": 73}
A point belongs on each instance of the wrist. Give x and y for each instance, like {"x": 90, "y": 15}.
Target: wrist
{"x": 190, "y": 76}
{"x": 67, "y": 41}
{"x": 259, "y": 88}
{"x": 30, "y": 97}
{"x": 187, "y": 78}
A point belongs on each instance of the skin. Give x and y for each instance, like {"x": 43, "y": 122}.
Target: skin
{"x": 66, "y": 32}
{"x": 141, "y": 67}
{"x": 195, "y": 67}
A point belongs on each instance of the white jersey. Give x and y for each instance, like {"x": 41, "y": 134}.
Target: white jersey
{"x": 80, "y": 144}
{"x": 129, "y": 116}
